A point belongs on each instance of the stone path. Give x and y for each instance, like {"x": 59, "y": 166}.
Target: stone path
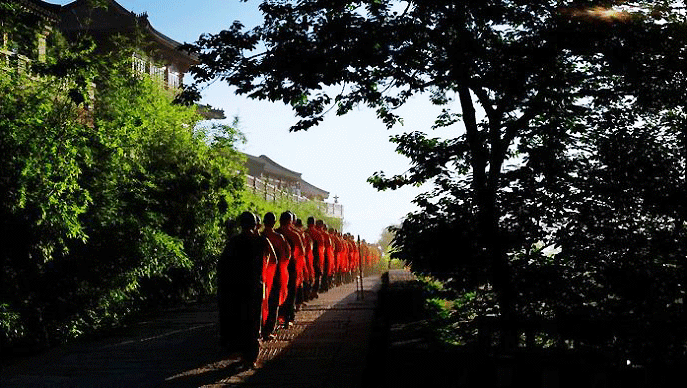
{"x": 327, "y": 347}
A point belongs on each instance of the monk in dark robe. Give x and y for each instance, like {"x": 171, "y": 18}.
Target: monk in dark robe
{"x": 275, "y": 275}
{"x": 240, "y": 290}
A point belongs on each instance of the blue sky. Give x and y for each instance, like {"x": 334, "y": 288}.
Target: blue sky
{"x": 337, "y": 156}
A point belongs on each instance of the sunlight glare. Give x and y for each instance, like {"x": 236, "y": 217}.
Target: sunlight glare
{"x": 601, "y": 13}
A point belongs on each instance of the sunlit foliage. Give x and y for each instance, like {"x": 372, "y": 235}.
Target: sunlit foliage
{"x": 113, "y": 199}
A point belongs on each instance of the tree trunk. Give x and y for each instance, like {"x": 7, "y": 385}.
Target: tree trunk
{"x": 681, "y": 223}
{"x": 485, "y": 187}
{"x": 495, "y": 250}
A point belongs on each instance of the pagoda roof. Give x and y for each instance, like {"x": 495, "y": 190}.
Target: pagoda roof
{"x": 276, "y": 167}
{"x": 116, "y": 19}
{"x": 309, "y": 188}
{"x": 269, "y": 166}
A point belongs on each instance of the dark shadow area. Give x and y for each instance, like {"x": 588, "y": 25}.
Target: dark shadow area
{"x": 411, "y": 356}
{"x": 384, "y": 339}
{"x": 144, "y": 354}
{"x": 329, "y": 346}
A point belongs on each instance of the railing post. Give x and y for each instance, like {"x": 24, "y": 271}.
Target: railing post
{"x": 360, "y": 271}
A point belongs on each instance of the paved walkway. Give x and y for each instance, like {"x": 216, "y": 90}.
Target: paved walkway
{"x": 327, "y": 347}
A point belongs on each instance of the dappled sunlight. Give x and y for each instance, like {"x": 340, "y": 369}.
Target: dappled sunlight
{"x": 327, "y": 341}
{"x": 208, "y": 368}
{"x": 599, "y": 13}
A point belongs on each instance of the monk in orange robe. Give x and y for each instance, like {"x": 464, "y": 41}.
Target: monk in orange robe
{"x": 318, "y": 254}
{"x": 309, "y": 277}
{"x": 331, "y": 257}
{"x": 296, "y": 264}
{"x": 338, "y": 256}
{"x": 365, "y": 258}
{"x": 353, "y": 252}
{"x": 344, "y": 259}
{"x": 355, "y": 257}
{"x": 275, "y": 274}
{"x": 328, "y": 255}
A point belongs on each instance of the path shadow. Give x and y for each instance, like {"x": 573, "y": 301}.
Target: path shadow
{"x": 181, "y": 349}
{"x": 326, "y": 347}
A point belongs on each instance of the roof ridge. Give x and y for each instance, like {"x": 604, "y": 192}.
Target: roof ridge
{"x": 310, "y": 184}
{"x": 279, "y": 165}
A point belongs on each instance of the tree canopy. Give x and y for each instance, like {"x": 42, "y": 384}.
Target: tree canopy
{"x": 113, "y": 198}
{"x": 543, "y": 95}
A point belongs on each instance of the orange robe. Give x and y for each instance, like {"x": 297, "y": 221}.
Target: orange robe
{"x": 356, "y": 256}
{"x": 318, "y": 249}
{"x": 329, "y": 252}
{"x": 309, "y": 257}
{"x": 275, "y": 268}
{"x": 338, "y": 254}
{"x": 297, "y": 251}
{"x": 347, "y": 255}
{"x": 365, "y": 259}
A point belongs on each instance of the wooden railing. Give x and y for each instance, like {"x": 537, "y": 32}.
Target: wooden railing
{"x": 334, "y": 209}
{"x": 12, "y": 60}
{"x": 271, "y": 192}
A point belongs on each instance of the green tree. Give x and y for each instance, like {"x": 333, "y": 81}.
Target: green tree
{"x": 114, "y": 199}
{"x": 514, "y": 69}
{"x": 386, "y": 237}
{"x": 44, "y": 149}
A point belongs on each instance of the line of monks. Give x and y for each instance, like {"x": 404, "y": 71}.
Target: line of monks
{"x": 265, "y": 276}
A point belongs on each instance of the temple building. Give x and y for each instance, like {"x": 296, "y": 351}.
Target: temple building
{"x": 13, "y": 54}
{"x": 269, "y": 178}
{"x": 282, "y": 178}
{"x": 152, "y": 52}
{"x": 157, "y": 54}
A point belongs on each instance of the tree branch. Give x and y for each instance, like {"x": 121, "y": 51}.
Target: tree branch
{"x": 514, "y": 127}
{"x": 477, "y": 160}
{"x": 485, "y": 101}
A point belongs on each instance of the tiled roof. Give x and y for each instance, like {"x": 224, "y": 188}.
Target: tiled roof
{"x": 263, "y": 164}
{"x": 116, "y": 18}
